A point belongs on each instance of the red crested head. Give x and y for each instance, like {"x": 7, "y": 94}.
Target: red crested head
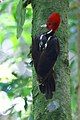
{"x": 53, "y": 21}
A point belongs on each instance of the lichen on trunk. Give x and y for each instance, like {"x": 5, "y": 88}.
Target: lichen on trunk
{"x": 41, "y": 110}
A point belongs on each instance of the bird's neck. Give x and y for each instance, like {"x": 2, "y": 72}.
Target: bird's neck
{"x": 49, "y": 33}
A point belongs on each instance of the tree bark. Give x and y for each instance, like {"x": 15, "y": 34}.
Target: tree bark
{"x": 41, "y": 10}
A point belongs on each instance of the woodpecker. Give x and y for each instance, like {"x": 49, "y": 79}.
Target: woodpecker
{"x": 45, "y": 50}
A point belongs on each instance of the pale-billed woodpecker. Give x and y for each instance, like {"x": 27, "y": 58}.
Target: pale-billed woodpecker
{"x": 45, "y": 50}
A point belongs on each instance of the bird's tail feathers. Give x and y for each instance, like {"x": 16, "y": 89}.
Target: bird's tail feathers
{"x": 48, "y": 86}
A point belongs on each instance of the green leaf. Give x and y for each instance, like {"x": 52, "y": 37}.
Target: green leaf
{"x": 26, "y": 91}
{"x": 21, "y": 14}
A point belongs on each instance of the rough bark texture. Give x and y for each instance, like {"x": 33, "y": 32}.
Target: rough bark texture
{"x": 41, "y": 10}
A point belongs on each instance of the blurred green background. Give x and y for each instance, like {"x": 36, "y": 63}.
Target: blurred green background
{"x": 15, "y": 67}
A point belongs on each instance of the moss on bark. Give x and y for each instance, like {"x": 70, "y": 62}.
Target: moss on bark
{"x": 41, "y": 10}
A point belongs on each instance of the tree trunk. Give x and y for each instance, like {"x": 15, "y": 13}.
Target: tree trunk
{"x": 60, "y": 108}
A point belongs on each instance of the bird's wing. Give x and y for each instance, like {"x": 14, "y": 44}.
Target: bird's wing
{"x": 48, "y": 57}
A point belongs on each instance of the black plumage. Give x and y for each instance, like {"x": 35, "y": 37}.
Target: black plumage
{"x": 45, "y": 50}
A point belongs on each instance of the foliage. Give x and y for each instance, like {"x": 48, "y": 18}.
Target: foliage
{"x": 21, "y": 13}
{"x": 15, "y": 70}
{"x": 73, "y": 21}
